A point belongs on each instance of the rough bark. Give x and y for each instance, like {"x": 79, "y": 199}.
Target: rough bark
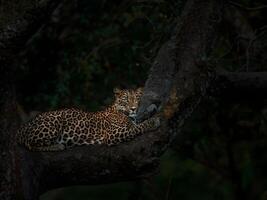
{"x": 8, "y": 127}
{"x": 90, "y": 165}
{"x": 179, "y": 63}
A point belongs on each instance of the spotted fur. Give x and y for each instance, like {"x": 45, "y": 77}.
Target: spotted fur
{"x": 61, "y": 129}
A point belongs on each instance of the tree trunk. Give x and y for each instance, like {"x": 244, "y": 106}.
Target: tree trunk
{"x": 15, "y": 31}
{"x": 8, "y": 123}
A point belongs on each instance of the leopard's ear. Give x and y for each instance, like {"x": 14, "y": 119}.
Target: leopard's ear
{"x": 140, "y": 89}
{"x": 116, "y": 91}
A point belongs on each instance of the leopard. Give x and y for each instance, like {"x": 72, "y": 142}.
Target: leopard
{"x": 66, "y": 128}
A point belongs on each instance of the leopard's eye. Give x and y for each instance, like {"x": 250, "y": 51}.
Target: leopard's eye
{"x": 138, "y": 97}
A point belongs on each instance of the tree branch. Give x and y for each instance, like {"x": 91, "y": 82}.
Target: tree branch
{"x": 178, "y": 64}
{"x": 137, "y": 159}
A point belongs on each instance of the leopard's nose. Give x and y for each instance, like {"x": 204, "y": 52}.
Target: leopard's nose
{"x": 133, "y": 108}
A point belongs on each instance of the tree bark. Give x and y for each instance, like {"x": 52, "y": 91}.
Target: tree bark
{"x": 8, "y": 124}
{"x": 180, "y": 64}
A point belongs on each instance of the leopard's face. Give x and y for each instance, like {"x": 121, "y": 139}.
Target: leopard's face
{"x": 126, "y": 101}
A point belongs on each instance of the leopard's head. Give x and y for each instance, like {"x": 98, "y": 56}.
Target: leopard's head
{"x": 126, "y": 101}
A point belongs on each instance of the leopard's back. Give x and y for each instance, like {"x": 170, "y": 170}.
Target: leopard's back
{"x": 68, "y": 127}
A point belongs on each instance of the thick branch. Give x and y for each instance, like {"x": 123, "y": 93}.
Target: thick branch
{"x": 178, "y": 64}
{"x": 91, "y": 164}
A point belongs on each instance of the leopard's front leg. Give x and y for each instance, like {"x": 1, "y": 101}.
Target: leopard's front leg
{"x": 131, "y": 130}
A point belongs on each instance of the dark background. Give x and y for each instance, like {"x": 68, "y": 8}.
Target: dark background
{"x": 89, "y": 47}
